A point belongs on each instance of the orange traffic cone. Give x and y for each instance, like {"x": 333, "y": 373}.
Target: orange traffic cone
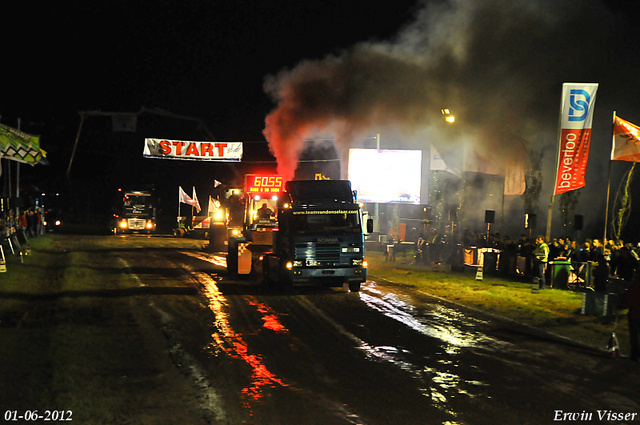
{"x": 614, "y": 349}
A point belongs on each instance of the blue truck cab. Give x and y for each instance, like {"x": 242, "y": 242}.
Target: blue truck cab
{"x": 320, "y": 236}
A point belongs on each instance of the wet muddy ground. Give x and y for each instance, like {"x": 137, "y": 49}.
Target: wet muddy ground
{"x": 387, "y": 354}
{"x": 231, "y": 351}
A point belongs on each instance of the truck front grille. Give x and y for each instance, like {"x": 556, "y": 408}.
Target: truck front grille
{"x": 318, "y": 252}
{"x": 136, "y": 223}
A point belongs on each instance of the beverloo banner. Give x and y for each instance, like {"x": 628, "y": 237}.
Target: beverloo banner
{"x": 576, "y": 116}
{"x": 195, "y": 151}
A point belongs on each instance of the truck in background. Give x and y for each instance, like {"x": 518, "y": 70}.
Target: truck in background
{"x": 251, "y": 230}
{"x": 319, "y": 236}
{"x": 225, "y": 215}
{"x": 134, "y": 212}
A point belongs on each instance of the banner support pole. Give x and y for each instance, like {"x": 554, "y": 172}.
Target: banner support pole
{"x": 75, "y": 145}
{"x": 606, "y": 211}
{"x": 18, "y": 178}
{"x": 555, "y": 180}
{"x": 549, "y": 216}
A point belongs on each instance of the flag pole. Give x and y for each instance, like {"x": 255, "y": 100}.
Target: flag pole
{"x": 178, "y": 216}
{"x": 18, "y": 179}
{"x": 606, "y": 211}
{"x": 193, "y": 192}
{"x": 555, "y": 180}
{"x": 504, "y": 188}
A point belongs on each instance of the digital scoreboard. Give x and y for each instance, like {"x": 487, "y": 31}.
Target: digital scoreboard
{"x": 263, "y": 184}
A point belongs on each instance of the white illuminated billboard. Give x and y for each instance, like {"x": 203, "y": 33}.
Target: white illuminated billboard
{"x": 386, "y": 176}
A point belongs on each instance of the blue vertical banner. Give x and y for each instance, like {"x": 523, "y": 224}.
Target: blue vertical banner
{"x": 576, "y": 116}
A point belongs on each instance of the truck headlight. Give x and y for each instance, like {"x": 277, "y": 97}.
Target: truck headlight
{"x": 351, "y": 249}
{"x": 359, "y": 262}
{"x": 149, "y": 225}
{"x": 123, "y": 224}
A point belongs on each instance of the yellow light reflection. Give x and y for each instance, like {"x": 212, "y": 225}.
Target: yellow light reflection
{"x": 215, "y": 259}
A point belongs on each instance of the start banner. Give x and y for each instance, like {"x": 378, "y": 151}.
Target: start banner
{"x": 194, "y": 151}
{"x": 578, "y": 100}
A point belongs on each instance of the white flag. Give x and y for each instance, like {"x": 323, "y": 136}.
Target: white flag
{"x": 184, "y": 198}
{"x": 514, "y": 182}
{"x": 436, "y": 163}
{"x": 626, "y": 141}
{"x": 196, "y": 203}
{"x": 475, "y": 162}
{"x": 214, "y": 206}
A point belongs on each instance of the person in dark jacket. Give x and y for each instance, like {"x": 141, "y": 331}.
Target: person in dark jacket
{"x": 624, "y": 265}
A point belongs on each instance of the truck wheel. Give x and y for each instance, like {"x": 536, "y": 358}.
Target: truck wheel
{"x": 267, "y": 280}
{"x": 354, "y": 286}
{"x": 286, "y": 284}
{"x": 285, "y": 281}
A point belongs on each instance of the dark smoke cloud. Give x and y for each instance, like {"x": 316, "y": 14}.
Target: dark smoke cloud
{"x": 498, "y": 65}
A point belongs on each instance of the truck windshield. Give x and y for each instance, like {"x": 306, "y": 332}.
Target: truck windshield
{"x": 332, "y": 221}
{"x": 131, "y": 200}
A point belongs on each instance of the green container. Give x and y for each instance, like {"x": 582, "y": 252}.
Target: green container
{"x": 560, "y": 271}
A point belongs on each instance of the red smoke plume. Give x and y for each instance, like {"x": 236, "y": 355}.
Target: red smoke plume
{"x": 285, "y": 132}
{"x": 482, "y": 59}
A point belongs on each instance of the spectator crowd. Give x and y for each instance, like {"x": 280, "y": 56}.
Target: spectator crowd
{"x": 592, "y": 261}
{"x": 29, "y": 223}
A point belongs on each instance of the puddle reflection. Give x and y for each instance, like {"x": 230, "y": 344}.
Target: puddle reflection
{"x": 217, "y": 259}
{"x": 440, "y": 322}
{"x": 452, "y": 328}
{"x": 227, "y": 340}
{"x": 270, "y": 319}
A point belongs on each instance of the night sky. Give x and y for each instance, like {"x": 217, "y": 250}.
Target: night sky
{"x": 206, "y": 60}
{"x": 210, "y": 60}
{"x": 201, "y": 59}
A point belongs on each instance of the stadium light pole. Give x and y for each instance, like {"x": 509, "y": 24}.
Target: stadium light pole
{"x": 449, "y": 118}
{"x": 377, "y": 206}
